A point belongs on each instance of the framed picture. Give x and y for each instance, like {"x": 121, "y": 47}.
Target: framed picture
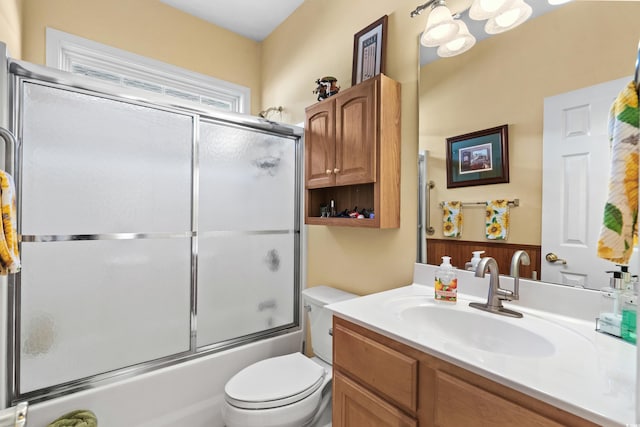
{"x": 478, "y": 158}
{"x": 368, "y": 51}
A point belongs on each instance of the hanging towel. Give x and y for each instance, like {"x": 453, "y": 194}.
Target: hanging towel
{"x": 9, "y": 256}
{"x": 452, "y": 219}
{"x": 79, "y": 418}
{"x": 497, "y": 219}
{"x": 619, "y": 229}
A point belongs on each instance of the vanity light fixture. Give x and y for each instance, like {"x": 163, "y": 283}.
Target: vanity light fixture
{"x": 485, "y": 9}
{"x": 462, "y": 42}
{"x": 441, "y": 27}
{"x": 515, "y": 15}
{"x": 451, "y": 35}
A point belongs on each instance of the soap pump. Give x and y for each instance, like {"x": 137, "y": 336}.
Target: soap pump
{"x": 471, "y": 265}
{"x": 610, "y": 318}
{"x": 629, "y": 311}
{"x": 446, "y": 282}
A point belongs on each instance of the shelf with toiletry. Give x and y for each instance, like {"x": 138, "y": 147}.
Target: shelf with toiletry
{"x": 352, "y": 157}
{"x": 618, "y": 306}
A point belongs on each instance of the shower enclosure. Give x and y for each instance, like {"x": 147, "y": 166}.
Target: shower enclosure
{"x": 151, "y": 234}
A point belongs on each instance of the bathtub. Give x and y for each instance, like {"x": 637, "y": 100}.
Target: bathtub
{"x": 186, "y": 394}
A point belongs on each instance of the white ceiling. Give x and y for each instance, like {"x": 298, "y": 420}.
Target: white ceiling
{"x": 254, "y": 19}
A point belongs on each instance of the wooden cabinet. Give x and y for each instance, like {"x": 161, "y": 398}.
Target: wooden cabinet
{"x": 352, "y": 154}
{"x": 382, "y": 382}
{"x": 359, "y": 407}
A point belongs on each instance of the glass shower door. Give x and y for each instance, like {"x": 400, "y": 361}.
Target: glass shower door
{"x": 247, "y": 232}
{"x": 106, "y": 187}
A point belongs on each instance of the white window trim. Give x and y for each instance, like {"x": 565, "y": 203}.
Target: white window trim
{"x": 65, "y": 50}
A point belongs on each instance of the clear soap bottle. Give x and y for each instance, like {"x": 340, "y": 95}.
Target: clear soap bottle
{"x": 629, "y": 312}
{"x": 610, "y": 317}
{"x": 446, "y": 281}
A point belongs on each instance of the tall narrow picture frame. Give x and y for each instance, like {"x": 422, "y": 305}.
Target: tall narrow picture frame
{"x": 369, "y": 46}
{"x": 478, "y": 158}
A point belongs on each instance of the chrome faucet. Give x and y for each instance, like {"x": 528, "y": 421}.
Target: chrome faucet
{"x": 496, "y": 293}
{"x": 519, "y": 257}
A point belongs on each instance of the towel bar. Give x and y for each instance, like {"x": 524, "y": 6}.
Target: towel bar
{"x": 514, "y": 202}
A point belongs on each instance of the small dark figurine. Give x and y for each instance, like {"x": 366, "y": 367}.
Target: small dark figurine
{"x": 326, "y": 87}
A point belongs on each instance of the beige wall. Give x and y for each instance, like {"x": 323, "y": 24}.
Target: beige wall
{"x": 148, "y": 28}
{"x": 504, "y": 80}
{"x": 11, "y": 26}
{"x": 317, "y": 40}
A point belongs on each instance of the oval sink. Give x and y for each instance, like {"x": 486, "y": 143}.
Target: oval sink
{"x": 482, "y": 331}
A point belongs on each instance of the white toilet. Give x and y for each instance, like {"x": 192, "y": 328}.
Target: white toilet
{"x": 291, "y": 390}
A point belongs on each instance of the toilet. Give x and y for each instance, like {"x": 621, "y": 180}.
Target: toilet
{"x": 291, "y": 390}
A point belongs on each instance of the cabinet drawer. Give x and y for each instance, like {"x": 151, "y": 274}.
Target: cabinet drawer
{"x": 459, "y": 403}
{"x": 362, "y": 358}
{"x": 355, "y": 406}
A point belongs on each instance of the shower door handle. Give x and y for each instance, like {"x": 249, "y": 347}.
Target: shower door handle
{"x": 10, "y": 143}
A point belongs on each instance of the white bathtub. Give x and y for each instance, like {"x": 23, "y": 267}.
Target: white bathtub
{"x": 187, "y": 394}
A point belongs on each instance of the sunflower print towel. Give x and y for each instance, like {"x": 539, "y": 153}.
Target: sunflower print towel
{"x": 619, "y": 229}
{"x": 497, "y": 219}
{"x": 452, "y": 219}
{"x": 9, "y": 257}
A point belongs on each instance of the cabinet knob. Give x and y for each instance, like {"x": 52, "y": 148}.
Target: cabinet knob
{"x": 336, "y": 170}
{"x": 328, "y": 171}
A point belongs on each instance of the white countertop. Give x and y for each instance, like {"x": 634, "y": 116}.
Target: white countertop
{"x": 591, "y": 375}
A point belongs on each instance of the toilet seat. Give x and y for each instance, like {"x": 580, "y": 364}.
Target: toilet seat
{"x": 275, "y": 382}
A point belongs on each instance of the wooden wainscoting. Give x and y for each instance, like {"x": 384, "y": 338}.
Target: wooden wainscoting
{"x": 460, "y": 253}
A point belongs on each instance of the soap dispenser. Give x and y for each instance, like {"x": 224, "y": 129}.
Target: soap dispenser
{"x": 471, "y": 265}
{"x": 610, "y": 318}
{"x": 629, "y": 311}
{"x": 446, "y": 282}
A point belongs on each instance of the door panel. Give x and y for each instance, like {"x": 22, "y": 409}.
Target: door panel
{"x": 320, "y": 142}
{"x": 356, "y": 129}
{"x": 574, "y": 188}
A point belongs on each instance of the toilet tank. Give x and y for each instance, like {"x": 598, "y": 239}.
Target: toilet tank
{"x": 320, "y": 319}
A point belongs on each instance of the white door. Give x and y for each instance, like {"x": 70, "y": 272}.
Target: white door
{"x": 574, "y": 183}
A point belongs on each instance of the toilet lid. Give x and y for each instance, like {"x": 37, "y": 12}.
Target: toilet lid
{"x": 273, "y": 382}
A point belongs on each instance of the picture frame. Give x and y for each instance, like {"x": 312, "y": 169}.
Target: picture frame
{"x": 369, "y": 45}
{"x": 478, "y": 158}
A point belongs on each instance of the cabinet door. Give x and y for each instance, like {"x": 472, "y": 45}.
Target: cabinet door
{"x": 319, "y": 142}
{"x": 355, "y": 406}
{"x": 356, "y": 135}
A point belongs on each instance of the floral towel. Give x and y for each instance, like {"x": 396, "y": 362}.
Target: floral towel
{"x": 620, "y": 227}
{"x": 9, "y": 256}
{"x": 497, "y": 219}
{"x": 452, "y": 219}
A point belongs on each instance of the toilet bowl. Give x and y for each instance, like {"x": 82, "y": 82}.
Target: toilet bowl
{"x": 290, "y": 390}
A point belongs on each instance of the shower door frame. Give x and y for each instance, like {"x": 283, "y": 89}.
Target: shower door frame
{"x": 20, "y": 72}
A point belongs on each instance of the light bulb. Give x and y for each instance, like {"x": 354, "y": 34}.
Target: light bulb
{"x": 516, "y": 14}
{"x": 507, "y": 18}
{"x": 486, "y": 9}
{"x": 440, "y": 28}
{"x": 462, "y": 42}
{"x": 491, "y": 6}
{"x": 455, "y": 44}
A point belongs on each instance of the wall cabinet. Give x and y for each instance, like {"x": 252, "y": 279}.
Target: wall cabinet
{"x": 379, "y": 381}
{"x": 352, "y": 154}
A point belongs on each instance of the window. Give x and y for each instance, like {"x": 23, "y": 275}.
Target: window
{"x": 81, "y": 56}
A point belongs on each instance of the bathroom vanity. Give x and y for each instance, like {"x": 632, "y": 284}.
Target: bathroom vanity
{"x": 403, "y": 359}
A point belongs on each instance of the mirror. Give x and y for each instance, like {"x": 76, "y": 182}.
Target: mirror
{"x": 505, "y": 79}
